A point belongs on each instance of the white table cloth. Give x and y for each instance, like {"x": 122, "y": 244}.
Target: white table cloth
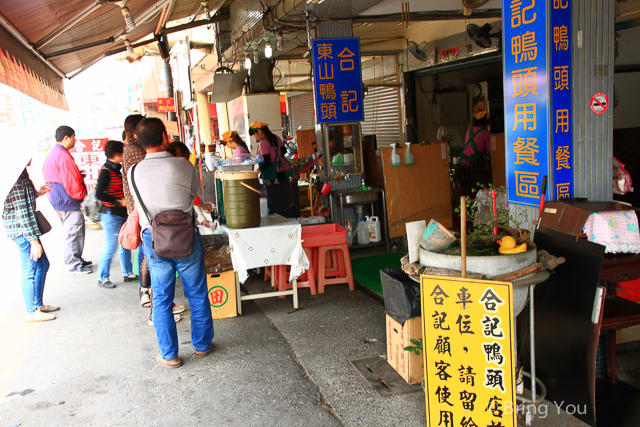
{"x": 277, "y": 241}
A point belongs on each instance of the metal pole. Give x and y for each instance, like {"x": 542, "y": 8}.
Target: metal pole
{"x": 532, "y": 344}
{"x": 168, "y": 77}
{"x": 463, "y": 236}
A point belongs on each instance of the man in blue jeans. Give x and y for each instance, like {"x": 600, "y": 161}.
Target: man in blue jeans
{"x": 112, "y": 215}
{"x": 164, "y": 182}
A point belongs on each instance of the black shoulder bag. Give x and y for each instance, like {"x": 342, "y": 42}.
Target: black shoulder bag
{"x": 171, "y": 231}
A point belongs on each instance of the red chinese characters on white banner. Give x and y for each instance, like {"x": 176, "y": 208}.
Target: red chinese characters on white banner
{"x": 89, "y": 156}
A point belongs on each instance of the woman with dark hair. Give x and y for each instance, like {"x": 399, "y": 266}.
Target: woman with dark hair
{"x": 275, "y": 172}
{"x": 474, "y": 167}
{"x": 19, "y": 220}
{"x": 274, "y": 165}
{"x": 232, "y": 140}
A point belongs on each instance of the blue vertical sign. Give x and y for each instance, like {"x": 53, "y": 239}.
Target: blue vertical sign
{"x": 337, "y": 80}
{"x": 526, "y": 94}
{"x": 561, "y": 100}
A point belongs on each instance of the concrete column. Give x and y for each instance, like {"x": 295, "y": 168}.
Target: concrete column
{"x": 223, "y": 122}
{"x": 205, "y": 136}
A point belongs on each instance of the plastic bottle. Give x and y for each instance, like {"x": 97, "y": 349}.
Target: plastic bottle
{"x": 395, "y": 157}
{"x": 373, "y": 224}
{"x": 408, "y": 156}
{"x": 364, "y": 186}
{"x": 349, "y": 233}
{"x": 362, "y": 232}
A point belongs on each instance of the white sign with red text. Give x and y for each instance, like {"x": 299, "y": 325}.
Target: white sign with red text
{"x": 89, "y": 156}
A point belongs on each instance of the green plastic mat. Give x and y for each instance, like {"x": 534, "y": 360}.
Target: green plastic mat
{"x": 366, "y": 271}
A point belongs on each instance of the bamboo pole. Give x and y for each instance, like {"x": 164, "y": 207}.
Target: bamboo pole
{"x": 463, "y": 236}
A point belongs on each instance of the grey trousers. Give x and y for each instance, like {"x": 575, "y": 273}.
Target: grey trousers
{"x": 73, "y": 224}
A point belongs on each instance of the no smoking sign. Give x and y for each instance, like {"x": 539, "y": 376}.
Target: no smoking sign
{"x": 599, "y": 103}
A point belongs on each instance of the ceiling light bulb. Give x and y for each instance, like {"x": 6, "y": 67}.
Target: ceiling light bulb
{"x": 247, "y": 63}
{"x": 268, "y": 52}
{"x": 256, "y": 56}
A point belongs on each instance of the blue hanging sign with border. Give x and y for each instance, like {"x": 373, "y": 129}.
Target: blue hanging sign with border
{"x": 525, "y": 68}
{"x": 337, "y": 80}
{"x": 561, "y": 100}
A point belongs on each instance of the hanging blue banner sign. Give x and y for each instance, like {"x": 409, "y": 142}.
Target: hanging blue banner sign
{"x": 561, "y": 100}
{"x": 337, "y": 80}
{"x": 524, "y": 31}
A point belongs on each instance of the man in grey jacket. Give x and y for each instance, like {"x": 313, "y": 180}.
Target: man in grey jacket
{"x": 166, "y": 183}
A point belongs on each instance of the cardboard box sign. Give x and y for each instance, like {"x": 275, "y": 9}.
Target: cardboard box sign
{"x": 408, "y": 365}
{"x": 222, "y": 294}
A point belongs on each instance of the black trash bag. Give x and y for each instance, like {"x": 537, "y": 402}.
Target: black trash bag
{"x": 401, "y": 294}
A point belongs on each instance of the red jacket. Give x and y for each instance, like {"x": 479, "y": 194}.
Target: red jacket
{"x": 67, "y": 186}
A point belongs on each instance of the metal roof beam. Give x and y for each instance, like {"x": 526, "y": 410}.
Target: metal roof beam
{"x": 443, "y": 15}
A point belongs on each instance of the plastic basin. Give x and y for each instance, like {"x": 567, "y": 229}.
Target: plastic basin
{"x": 323, "y": 235}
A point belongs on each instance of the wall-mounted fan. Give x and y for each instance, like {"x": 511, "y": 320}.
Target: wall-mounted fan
{"x": 481, "y": 35}
{"x": 418, "y": 50}
{"x": 472, "y": 4}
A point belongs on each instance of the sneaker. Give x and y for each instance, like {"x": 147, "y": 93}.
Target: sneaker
{"x": 39, "y": 316}
{"x": 86, "y": 263}
{"x": 130, "y": 279}
{"x": 176, "y": 317}
{"x": 106, "y": 284}
{"x": 177, "y": 309}
{"x": 81, "y": 270}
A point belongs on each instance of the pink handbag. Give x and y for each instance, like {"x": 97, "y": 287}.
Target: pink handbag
{"x": 129, "y": 236}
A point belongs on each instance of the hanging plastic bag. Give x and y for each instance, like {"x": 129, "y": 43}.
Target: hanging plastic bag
{"x": 621, "y": 178}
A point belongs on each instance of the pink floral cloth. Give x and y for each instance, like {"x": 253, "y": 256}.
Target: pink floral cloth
{"x": 616, "y": 230}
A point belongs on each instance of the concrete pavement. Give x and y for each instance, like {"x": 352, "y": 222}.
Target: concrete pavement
{"x": 95, "y": 364}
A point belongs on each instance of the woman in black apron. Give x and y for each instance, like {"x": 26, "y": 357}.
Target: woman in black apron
{"x": 275, "y": 172}
{"x": 474, "y": 165}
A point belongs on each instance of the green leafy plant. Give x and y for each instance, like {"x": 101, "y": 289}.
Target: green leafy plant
{"x": 482, "y": 230}
{"x": 416, "y": 348}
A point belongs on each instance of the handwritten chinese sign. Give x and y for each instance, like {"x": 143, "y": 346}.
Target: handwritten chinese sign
{"x": 89, "y": 156}
{"x": 337, "y": 83}
{"x": 468, "y": 352}
{"x": 561, "y": 99}
{"x": 526, "y": 96}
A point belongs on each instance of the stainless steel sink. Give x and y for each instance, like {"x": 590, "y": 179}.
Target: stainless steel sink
{"x": 355, "y": 196}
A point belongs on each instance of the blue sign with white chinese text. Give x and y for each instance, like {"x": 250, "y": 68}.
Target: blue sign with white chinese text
{"x": 526, "y": 94}
{"x": 561, "y": 101}
{"x": 337, "y": 80}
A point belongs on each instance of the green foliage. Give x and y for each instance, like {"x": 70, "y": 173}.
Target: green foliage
{"x": 416, "y": 347}
{"x": 482, "y": 232}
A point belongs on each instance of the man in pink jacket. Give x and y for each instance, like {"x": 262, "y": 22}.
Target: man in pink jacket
{"x": 67, "y": 192}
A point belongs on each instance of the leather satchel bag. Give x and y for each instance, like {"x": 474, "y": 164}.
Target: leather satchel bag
{"x": 43, "y": 224}
{"x": 171, "y": 231}
{"x": 129, "y": 236}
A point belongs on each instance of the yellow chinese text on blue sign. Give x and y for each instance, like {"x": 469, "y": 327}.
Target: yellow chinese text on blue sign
{"x": 525, "y": 91}
{"x": 469, "y": 349}
{"x": 337, "y": 82}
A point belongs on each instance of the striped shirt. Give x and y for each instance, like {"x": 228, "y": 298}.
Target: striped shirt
{"x": 109, "y": 189}
{"x": 18, "y": 216}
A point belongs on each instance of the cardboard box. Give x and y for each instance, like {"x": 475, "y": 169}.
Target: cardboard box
{"x": 222, "y": 294}
{"x": 408, "y": 365}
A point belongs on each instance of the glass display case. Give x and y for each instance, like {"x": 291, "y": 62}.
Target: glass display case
{"x": 343, "y": 148}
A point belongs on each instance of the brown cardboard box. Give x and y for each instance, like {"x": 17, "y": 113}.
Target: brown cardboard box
{"x": 408, "y": 365}
{"x": 222, "y": 294}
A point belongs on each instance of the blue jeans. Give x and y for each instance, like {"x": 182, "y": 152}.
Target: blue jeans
{"x": 34, "y": 273}
{"x": 194, "y": 280}
{"x": 112, "y": 225}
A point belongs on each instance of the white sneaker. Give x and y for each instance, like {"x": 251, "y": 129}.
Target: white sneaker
{"x": 176, "y": 317}
{"x": 39, "y": 316}
{"x": 177, "y": 309}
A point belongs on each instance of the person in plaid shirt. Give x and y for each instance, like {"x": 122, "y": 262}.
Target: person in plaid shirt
{"x": 18, "y": 217}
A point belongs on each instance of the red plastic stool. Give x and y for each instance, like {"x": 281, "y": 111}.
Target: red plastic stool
{"x": 306, "y": 279}
{"x": 342, "y": 259}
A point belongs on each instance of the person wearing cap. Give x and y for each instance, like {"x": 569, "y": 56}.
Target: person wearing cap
{"x": 232, "y": 140}
{"x": 478, "y": 139}
{"x": 275, "y": 171}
